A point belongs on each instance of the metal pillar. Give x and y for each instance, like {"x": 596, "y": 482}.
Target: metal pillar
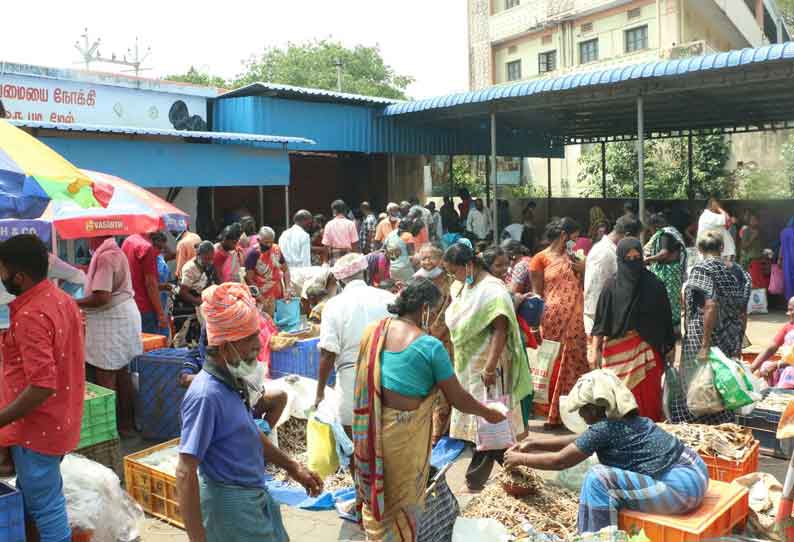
{"x": 286, "y": 206}
{"x": 548, "y": 189}
{"x": 494, "y": 201}
{"x": 451, "y": 177}
{"x": 690, "y": 192}
{"x": 261, "y": 198}
{"x": 641, "y": 157}
{"x": 603, "y": 170}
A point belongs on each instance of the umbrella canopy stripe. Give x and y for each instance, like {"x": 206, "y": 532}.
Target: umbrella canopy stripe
{"x": 32, "y": 173}
{"x": 131, "y": 209}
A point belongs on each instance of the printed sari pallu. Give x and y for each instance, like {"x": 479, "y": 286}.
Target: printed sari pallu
{"x": 392, "y": 450}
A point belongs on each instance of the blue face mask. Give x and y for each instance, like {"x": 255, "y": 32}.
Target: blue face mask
{"x": 469, "y": 278}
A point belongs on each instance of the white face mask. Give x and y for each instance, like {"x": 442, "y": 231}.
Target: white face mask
{"x": 244, "y": 369}
{"x": 433, "y": 273}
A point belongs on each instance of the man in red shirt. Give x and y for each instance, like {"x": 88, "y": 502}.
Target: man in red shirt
{"x": 43, "y": 382}
{"x": 142, "y": 252}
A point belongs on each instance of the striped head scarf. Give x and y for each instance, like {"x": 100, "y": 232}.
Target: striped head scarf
{"x": 230, "y": 313}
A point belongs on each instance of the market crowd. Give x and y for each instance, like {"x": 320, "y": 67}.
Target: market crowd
{"x": 426, "y": 319}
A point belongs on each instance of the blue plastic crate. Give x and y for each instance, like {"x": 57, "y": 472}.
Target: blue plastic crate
{"x": 159, "y": 396}
{"x": 302, "y": 359}
{"x": 764, "y": 423}
{"x": 12, "y": 515}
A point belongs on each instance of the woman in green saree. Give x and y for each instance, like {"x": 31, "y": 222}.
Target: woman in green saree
{"x": 488, "y": 351}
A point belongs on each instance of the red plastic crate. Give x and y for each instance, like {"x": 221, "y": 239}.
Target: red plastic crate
{"x": 726, "y": 470}
{"x": 724, "y": 507}
{"x": 153, "y": 342}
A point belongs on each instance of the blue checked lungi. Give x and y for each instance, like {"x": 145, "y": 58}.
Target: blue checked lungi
{"x": 606, "y": 490}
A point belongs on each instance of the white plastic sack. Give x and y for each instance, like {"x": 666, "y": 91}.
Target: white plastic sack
{"x": 96, "y": 502}
{"x": 757, "y": 302}
{"x": 541, "y": 366}
{"x": 479, "y": 530}
{"x": 301, "y": 392}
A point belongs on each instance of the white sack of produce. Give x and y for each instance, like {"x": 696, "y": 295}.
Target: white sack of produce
{"x": 479, "y": 530}
{"x": 300, "y": 396}
{"x": 96, "y": 502}
{"x": 765, "y": 494}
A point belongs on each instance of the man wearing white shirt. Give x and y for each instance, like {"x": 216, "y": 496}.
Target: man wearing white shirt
{"x": 602, "y": 264}
{"x": 478, "y": 221}
{"x": 345, "y": 318}
{"x": 714, "y": 217}
{"x": 295, "y": 243}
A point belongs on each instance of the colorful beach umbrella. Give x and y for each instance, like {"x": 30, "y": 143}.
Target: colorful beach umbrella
{"x": 131, "y": 209}
{"x": 32, "y": 175}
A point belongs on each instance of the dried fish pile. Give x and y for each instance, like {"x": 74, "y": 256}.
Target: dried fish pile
{"x": 549, "y": 510}
{"x": 775, "y": 401}
{"x": 727, "y": 441}
{"x": 292, "y": 437}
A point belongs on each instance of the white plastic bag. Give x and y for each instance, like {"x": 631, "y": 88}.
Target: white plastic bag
{"x": 96, "y": 502}
{"x": 301, "y": 392}
{"x": 479, "y": 530}
{"x": 541, "y": 365}
{"x": 495, "y": 436}
{"x": 573, "y": 478}
{"x": 702, "y": 396}
{"x": 757, "y": 302}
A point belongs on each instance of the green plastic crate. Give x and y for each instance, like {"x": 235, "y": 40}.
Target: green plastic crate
{"x": 99, "y": 417}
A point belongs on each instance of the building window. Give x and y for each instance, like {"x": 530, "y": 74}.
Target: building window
{"x": 547, "y": 62}
{"x": 636, "y": 39}
{"x": 514, "y": 70}
{"x": 512, "y": 3}
{"x": 634, "y": 13}
{"x": 588, "y": 51}
{"x": 586, "y": 27}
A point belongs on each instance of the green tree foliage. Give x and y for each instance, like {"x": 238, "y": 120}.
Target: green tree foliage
{"x": 313, "y": 64}
{"x": 197, "y": 77}
{"x": 666, "y": 169}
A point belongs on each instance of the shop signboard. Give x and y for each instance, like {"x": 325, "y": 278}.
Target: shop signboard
{"x": 70, "y": 101}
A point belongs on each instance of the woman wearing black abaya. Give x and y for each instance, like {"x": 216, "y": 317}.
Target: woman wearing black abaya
{"x": 633, "y": 328}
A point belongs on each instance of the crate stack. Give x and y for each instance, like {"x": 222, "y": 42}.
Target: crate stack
{"x": 158, "y": 398}
{"x": 99, "y": 436}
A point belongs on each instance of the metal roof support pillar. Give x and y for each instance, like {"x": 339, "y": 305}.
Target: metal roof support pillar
{"x": 451, "y": 177}
{"x": 261, "y": 201}
{"x": 603, "y": 170}
{"x": 286, "y": 206}
{"x": 494, "y": 200}
{"x": 690, "y": 184}
{"x": 548, "y": 189}
{"x": 641, "y": 157}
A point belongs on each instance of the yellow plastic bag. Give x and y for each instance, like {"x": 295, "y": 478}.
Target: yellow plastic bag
{"x": 321, "y": 448}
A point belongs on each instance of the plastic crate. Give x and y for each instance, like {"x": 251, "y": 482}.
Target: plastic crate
{"x": 153, "y": 342}
{"x": 12, "y": 515}
{"x": 105, "y": 453}
{"x": 724, "y": 508}
{"x": 764, "y": 423}
{"x": 99, "y": 416}
{"x": 727, "y": 470}
{"x": 302, "y": 359}
{"x": 154, "y": 490}
{"x": 158, "y": 396}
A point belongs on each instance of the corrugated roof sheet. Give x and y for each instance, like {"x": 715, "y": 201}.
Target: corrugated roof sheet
{"x": 611, "y": 76}
{"x": 312, "y": 94}
{"x": 134, "y": 130}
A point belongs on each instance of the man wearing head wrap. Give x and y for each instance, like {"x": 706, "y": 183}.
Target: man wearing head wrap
{"x": 223, "y": 453}
{"x": 345, "y": 317}
{"x": 642, "y": 467}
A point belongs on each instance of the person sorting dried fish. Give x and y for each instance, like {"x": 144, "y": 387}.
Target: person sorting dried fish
{"x": 228, "y": 500}
{"x": 399, "y": 369}
{"x": 642, "y": 467}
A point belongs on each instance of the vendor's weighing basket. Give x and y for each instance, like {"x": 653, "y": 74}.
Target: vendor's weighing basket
{"x": 154, "y": 490}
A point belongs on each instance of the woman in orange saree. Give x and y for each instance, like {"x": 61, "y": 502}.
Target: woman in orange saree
{"x": 556, "y": 275}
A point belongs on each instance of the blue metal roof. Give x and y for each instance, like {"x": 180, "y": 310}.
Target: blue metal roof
{"x": 610, "y": 76}
{"x": 310, "y": 94}
{"x": 227, "y": 137}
